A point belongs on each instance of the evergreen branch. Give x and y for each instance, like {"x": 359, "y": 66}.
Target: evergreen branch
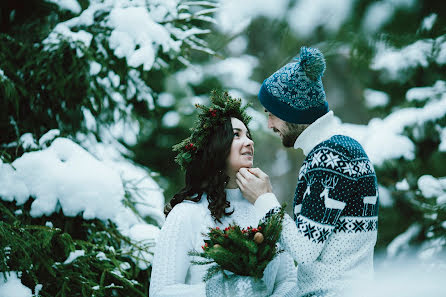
{"x": 242, "y": 251}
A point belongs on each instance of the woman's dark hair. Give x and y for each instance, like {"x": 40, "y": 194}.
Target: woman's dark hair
{"x": 206, "y": 173}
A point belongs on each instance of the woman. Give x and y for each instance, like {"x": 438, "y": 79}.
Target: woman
{"x": 219, "y": 146}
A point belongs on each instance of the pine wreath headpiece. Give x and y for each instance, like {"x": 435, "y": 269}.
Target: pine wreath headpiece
{"x": 222, "y": 106}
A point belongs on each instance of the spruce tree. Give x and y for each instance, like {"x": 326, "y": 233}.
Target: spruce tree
{"x": 81, "y": 79}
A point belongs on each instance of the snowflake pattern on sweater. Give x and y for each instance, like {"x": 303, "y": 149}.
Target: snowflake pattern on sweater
{"x": 346, "y": 183}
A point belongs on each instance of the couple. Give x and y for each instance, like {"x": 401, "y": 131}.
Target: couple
{"x": 334, "y": 231}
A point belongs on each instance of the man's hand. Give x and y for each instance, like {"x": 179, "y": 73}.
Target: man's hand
{"x": 253, "y": 182}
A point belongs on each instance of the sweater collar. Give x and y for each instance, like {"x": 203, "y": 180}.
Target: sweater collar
{"x": 321, "y": 129}
{"x": 233, "y": 194}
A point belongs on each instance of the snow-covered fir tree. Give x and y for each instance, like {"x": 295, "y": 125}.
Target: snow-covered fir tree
{"x": 79, "y": 81}
{"x": 407, "y": 142}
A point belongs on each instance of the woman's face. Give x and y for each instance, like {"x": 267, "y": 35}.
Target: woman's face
{"x": 242, "y": 148}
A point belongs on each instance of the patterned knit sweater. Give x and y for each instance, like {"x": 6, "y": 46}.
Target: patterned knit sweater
{"x": 172, "y": 271}
{"x": 334, "y": 231}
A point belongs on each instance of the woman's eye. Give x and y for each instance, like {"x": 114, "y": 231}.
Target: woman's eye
{"x": 236, "y": 134}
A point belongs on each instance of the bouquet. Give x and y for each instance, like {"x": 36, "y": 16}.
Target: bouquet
{"x": 240, "y": 254}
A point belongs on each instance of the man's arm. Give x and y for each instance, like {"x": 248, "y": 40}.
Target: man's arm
{"x": 319, "y": 212}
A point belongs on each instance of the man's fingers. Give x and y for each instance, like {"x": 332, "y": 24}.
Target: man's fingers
{"x": 240, "y": 185}
{"x": 257, "y": 172}
{"x": 240, "y": 178}
{"x": 245, "y": 173}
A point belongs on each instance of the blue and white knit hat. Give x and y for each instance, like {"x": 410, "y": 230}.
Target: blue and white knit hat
{"x": 295, "y": 93}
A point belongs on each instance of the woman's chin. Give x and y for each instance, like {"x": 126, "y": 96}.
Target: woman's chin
{"x": 247, "y": 165}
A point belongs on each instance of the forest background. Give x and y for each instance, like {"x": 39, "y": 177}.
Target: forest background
{"x": 93, "y": 95}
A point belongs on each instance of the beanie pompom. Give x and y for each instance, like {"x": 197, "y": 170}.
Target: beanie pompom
{"x": 312, "y": 62}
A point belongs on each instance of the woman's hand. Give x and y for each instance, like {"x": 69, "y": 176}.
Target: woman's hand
{"x": 253, "y": 183}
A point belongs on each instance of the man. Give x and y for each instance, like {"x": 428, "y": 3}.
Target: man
{"x": 334, "y": 231}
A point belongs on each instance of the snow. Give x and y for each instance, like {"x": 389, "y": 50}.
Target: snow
{"x": 89, "y": 119}
{"x": 27, "y": 141}
{"x": 171, "y": 119}
{"x": 138, "y": 233}
{"x": 234, "y": 72}
{"x": 428, "y": 22}
{"x": 48, "y": 137}
{"x": 37, "y": 289}
{"x": 12, "y": 286}
{"x": 281, "y": 164}
{"x": 385, "y": 197}
{"x": 128, "y": 35}
{"x": 73, "y": 256}
{"x": 190, "y": 75}
{"x": 402, "y": 241}
{"x": 62, "y": 29}
{"x": 441, "y": 57}
{"x": 238, "y": 45}
{"x": 394, "y": 62}
{"x": 442, "y": 145}
{"x": 144, "y": 92}
{"x": 137, "y": 29}
{"x": 425, "y": 93}
{"x": 114, "y": 79}
{"x": 441, "y": 200}
{"x": 377, "y": 15}
{"x": 101, "y": 256}
{"x": 303, "y": 17}
{"x": 2, "y": 75}
{"x": 145, "y": 192}
{"x": 66, "y": 177}
{"x": 381, "y": 144}
{"x": 234, "y": 16}
{"x": 375, "y": 98}
{"x": 402, "y": 185}
{"x": 12, "y": 188}
{"x": 65, "y": 174}
{"x": 383, "y": 139}
{"x": 432, "y": 187}
{"x": 95, "y": 68}
{"x": 71, "y": 5}
{"x": 166, "y": 100}
{"x": 307, "y": 15}
{"x": 380, "y": 12}
{"x": 406, "y": 277}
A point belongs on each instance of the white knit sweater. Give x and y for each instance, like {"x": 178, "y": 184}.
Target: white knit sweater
{"x": 172, "y": 272}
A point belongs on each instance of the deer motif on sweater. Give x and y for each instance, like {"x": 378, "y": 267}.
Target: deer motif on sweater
{"x": 331, "y": 205}
{"x": 310, "y": 182}
{"x": 369, "y": 204}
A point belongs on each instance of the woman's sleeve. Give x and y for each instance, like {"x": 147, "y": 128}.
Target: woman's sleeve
{"x": 171, "y": 260}
{"x": 286, "y": 279}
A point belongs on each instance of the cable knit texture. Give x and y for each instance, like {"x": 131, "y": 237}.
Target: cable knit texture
{"x": 334, "y": 231}
{"x": 172, "y": 272}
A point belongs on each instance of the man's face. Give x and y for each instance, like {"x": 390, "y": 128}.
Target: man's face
{"x": 288, "y": 132}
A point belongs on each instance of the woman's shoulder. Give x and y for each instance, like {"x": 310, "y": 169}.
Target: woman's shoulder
{"x": 189, "y": 208}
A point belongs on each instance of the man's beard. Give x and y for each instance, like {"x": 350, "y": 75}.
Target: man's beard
{"x": 291, "y": 132}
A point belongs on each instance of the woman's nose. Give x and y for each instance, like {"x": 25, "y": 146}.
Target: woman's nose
{"x": 249, "y": 142}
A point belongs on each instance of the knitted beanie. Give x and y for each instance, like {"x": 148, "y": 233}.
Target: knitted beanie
{"x": 295, "y": 93}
